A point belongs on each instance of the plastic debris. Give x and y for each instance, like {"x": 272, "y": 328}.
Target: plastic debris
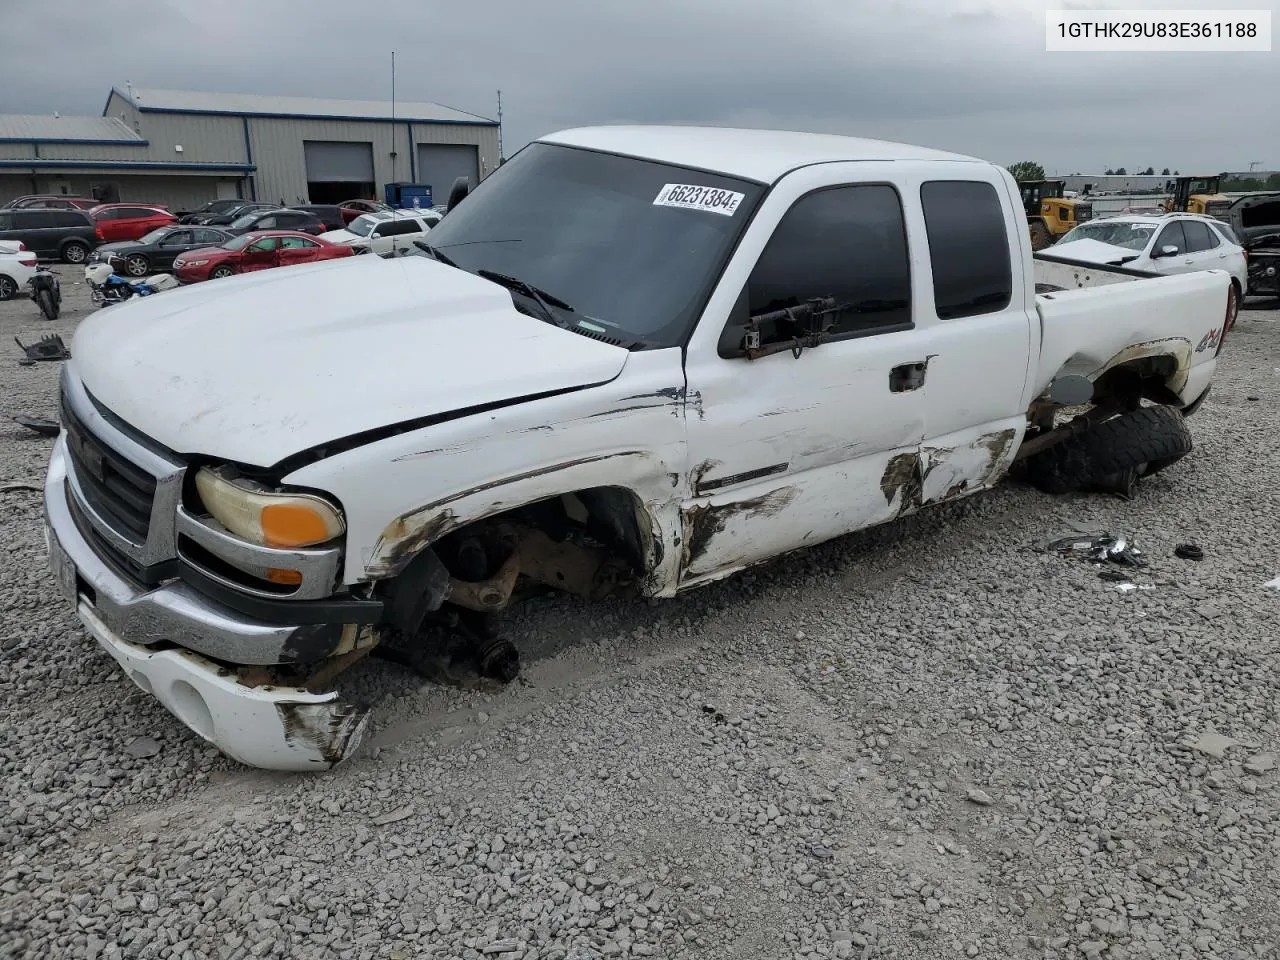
{"x": 46, "y": 428}
{"x": 1103, "y": 548}
{"x": 1188, "y": 551}
{"x": 1273, "y": 584}
{"x": 49, "y": 347}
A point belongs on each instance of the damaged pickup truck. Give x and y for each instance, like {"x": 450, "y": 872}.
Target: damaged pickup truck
{"x": 632, "y": 360}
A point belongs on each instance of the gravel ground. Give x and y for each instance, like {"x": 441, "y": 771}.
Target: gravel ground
{"x": 932, "y": 740}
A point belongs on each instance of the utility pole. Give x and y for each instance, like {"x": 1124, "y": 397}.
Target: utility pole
{"x": 501, "y": 156}
{"x": 393, "y": 119}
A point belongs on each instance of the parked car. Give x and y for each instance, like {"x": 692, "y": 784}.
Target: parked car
{"x": 330, "y": 214}
{"x": 128, "y": 221}
{"x": 355, "y": 208}
{"x": 51, "y": 201}
{"x": 17, "y": 267}
{"x": 278, "y": 218}
{"x": 1168, "y": 243}
{"x": 156, "y": 250}
{"x": 66, "y": 235}
{"x": 230, "y": 214}
{"x": 570, "y": 390}
{"x": 211, "y": 209}
{"x": 260, "y": 250}
{"x": 383, "y": 232}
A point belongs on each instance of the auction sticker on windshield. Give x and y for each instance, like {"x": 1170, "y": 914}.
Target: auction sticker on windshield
{"x": 692, "y": 197}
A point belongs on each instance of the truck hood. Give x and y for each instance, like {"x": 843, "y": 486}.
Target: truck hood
{"x": 1093, "y": 251}
{"x": 256, "y": 367}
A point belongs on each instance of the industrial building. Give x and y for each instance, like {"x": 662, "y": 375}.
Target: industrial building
{"x": 182, "y": 148}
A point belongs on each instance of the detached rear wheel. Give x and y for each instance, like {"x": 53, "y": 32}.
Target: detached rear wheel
{"x": 1113, "y": 453}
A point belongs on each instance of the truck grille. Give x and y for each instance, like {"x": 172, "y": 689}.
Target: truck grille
{"x": 117, "y": 490}
{"x": 1083, "y": 212}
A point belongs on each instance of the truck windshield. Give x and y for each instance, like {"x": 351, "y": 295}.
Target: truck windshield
{"x": 632, "y": 245}
{"x": 1118, "y": 233}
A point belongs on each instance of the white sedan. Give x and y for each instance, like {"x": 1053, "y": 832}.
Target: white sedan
{"x": 16, "y": 267}
{"x": 384, "y": 231}
{"x": 1166, "y": 243}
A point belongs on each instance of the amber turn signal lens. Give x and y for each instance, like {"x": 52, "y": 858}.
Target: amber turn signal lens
{"x": 286, "y": 577}
{"x": 292, "y": 524}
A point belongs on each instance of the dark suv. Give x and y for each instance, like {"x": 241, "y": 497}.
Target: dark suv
{"x": 279, "y": 219}
{"x": 330, "y": 214}
{"x": 66, "y": 235}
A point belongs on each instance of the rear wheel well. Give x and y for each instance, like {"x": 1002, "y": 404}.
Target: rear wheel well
{"x": 1145, "y": 378}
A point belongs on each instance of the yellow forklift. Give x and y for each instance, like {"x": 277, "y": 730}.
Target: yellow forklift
{"x": 1197, "y": 195}
{"x": 1050, "y": 214}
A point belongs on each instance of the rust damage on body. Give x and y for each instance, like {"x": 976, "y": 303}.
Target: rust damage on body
{"x": 702, "y": 523}
{"x": 902, "y": 476}
{"x": 407, "y": 535}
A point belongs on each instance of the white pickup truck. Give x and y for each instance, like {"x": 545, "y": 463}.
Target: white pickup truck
{"x": 632, "y": 359}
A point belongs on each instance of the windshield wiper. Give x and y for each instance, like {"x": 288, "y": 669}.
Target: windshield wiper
{"x": 435, "y": 254}
{"x": 540, "y": 297}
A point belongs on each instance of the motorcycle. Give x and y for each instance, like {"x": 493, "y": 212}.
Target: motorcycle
{"x": 107, "y": 287}
{"x": 46, "y": 291}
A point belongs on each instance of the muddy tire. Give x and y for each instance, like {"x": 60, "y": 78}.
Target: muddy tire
{"x": 1144, "y": 441}
{"x": 1040, "y": 236}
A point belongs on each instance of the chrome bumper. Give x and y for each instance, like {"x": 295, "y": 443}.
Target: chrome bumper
{"x": 270, "y": 727}
{"x": 172, "y": 612}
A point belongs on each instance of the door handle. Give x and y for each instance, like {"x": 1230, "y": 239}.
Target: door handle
{"x": 907, "y": 376}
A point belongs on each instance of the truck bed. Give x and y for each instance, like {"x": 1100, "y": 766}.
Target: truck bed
{"x": 1095, "y": 317}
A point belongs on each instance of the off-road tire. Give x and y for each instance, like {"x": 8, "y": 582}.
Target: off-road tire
{"x": 1041, "y": 238}
{"x": 1147, "y": 440}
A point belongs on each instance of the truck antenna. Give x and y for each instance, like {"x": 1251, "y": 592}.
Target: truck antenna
{"x": 500, "y": 153}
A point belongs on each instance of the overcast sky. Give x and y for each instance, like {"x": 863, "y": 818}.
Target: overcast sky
{"x": 964, "y": 75}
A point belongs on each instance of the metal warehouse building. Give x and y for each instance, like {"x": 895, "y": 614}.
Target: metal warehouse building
{"x": 182, "y": 148}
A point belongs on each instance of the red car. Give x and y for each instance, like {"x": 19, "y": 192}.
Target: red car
{"x": 128, "y": 221}
{"x": 350, "y": 209}
{"x": 260, "y": 250}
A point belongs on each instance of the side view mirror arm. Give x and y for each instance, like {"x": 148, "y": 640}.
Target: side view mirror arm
{"x": 812, "y": 318}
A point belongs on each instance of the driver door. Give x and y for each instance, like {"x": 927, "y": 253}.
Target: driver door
{"x": 1178, "y": 262}
{"x": 261, "y": 254}
{"x": 790, "y": 450}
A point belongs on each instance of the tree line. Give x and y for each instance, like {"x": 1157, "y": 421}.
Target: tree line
{"x": 1231, "y": 183}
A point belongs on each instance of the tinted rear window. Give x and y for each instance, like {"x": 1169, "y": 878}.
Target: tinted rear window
{"x": 968, "y": 248}
{"x": 69, "y": 218}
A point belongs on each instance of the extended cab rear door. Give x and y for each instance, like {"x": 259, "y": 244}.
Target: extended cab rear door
{"x": 974, "y": 306}
{"x": 797, "y": 447}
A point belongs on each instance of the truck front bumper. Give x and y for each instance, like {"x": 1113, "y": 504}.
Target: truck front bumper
{"x": 145, "y": 630}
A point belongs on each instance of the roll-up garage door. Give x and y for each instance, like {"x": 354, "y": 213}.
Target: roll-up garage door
{"x": 331, "y": 161}
{"x": 439, "y": 164}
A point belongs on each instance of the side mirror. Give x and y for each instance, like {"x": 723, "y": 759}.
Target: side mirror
{"x": 461, "y": 187}
{"x": 1168, "y": 250}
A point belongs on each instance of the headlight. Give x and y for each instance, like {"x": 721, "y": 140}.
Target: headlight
{"x": 268, "y": 518}
{"x": 190, "y": 263}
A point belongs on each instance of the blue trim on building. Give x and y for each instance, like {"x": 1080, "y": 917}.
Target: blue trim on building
{"x": 112, "y": 143}
{"x": 126, "y": 165}
{"x": 248, "y": 158}
{"x": 478, "y": 122}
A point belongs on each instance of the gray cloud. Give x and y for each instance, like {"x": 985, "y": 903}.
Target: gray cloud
{"x": 970, "y": 76}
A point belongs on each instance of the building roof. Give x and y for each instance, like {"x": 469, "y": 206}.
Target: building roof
{"x": 148, "y": 99}
{"x": 759, "y": 155}
{"x": 43, "y": 128}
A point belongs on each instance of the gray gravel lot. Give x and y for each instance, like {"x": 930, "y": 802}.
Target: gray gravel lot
{"x": 931, "y": 740}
